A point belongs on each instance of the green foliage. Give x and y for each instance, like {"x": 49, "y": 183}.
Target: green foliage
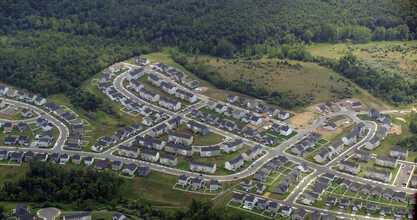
{"x": 47, "y": 183}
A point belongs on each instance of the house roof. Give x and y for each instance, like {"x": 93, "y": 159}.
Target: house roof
{"x": 397, "y": 149}
{"x": 197, "y": 163}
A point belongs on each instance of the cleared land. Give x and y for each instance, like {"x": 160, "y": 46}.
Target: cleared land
{"x": 299, "y": 78}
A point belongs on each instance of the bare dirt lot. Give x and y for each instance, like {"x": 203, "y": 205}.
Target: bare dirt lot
{"x": 303, "y": 120}
{"x": 396, "y": 129}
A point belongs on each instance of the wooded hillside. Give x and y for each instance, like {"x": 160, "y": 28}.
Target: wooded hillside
{"x": 48, "y": 46}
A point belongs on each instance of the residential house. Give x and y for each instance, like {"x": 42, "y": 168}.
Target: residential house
{"x": 272, "y": 112}
{"x": 331, "y": 201}
{"x": 4, "y": 155}
{"x": 198, "y": 128}
{"x": 262, "y": 204}
{"x": 187, "y": 96}
{"x": 259, "y": 188}
{"x": 184, "y": 180}
{"x": 150, "y": 143}
{"x": 88, "y": 161}
{"x": 399, "y": 153}
{"x": 384, "y": 211}
{"x": 197, "y": 183}
{"x": 148, "y": 95}
{"x": 286, "y": 211}
{"x": 17, "y": 156}
{"x": 168, "y": 87}
{"x": 178, "y": 138}
{"x": 211, "y": 151}
{"x": 234, "y": 163}
{"x": 273, "y": 208}
{"x": 330, "y": 126}
{"x": 7, "y": 127}
{"x": 260, "y": 175}
{"x": 376, "y": 191}
{"x": 238, "y": 198}
{"x": 388, "y": 193}
{"x": 246, "y": 184}
{"x": 350, "y": 138}
{"x": 119, "y": 216}
{"x": 220, "y": 108}
{"x": 27, "y": 113}
{"x": 345, "y": 184}
{"x": 22, "y": 126}
{"x": 356, "y": 105}
{"x": 372, "y": 143}
{"x": 117, "y": 165}
{"x": 10, "y": 140}
{"x": 40, "y": 101}
{"x": 154, "y": 79}
{"x": 250, "y": 201}
{"x": 299, "y": 214}
{"x": 132, "y": 152}
{"x": 252, "y": 153}
{"x": 382, "y": 133}
{"x": 232, "y": 98}
{"x": 400, "y": 196}
{"x": 158, "y": 130}
{"x": 76, "y": 159}
{"x": 251, "y": 104}
{"x": 373, "y": 113}
{"x": 78, "y": 216}
{"x": 144, "y": 171}
{"x": 130, "y": 169}
{"x": 362, "y": 156}
{"x": 399, "y": 213}
{"x": 214, "y": 185}
{"x": 261, "y": 108}
{"x": 169, "y": 104}
{"x": 202, "y": 167}
{"x": 377, "y": 174}
{"x": 386, "y": 161}
{"x": 285, "y": 130}
{"x": 370, "y": 208}
{"x": 349, "y": 167}
{"x": 151, "y": 156}
{"x": 238, "y": 114}
{"x": 283, "y": 115}
{"x": 179, "y": 149}
{"x": 174, "y": 123}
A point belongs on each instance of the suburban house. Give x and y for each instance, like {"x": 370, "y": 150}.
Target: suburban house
{"x": 214, "y": 185}
{"x": 117, "y": 165}
{"x": 234, "y": 163}
{"x": 399, "y": 153}
{"x": 148, "y": 155}
{"x": 7, "y": 127}
{"x": 330, "y": 126}
{"x": 135, "y": 73}
{"x": 168, "y": 87}
{"x": 169, "y": 104}
{"x": 198, "y": 128}
{"x": 187, "y": 96}
{"x": 179, "y": 149}
{"x": 184, "y": 180}
{"x": 349, "y": 167}
{"x": 372, "y": 143}
{"x": 40, "y": 101}
{"x": 386, "y": 161}
{"x": 211, "y": 151}
{"x": 130, "y": 169}
{"x": 178, "y": 138}
{"x": 132, "y": 152}
{"x": 250, "y": 201}
{"x": 202, "y": 167}
{"x": 150, "y": 143}
{"x": 238, "y": 198}
{"x": 382, "y": 133}
{"x": 174, "y": 122}
{"x": 144, "y": 171}
{"x": 252, "y": 153}
{"x": 350, "y": 138}
{"x": 377, "y": 174}
{"x": 356, "y": 105}
{"x": 154, "y": 79}
{"x": 78, "y": 216}
{"x": 27, "y": 113}
{"x": 89, "y": 160}
{"x": 373, "y": 113}
{"x": 232, "y": 98}
{"x": 283, "y": 115}
{"x": 158, "y": 130}
{"x": 260, "y": 176}
{"x": 362, "y": 156}
{"x": 197, "y": 183}
{"x": 148, "y": 95}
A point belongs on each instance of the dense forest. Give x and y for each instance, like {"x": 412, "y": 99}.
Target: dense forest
{"x": 49, "y": 46}
{"x": 48, "y": 183}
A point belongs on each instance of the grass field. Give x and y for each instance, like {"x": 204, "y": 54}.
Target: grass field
{"x": 298, "y": 78}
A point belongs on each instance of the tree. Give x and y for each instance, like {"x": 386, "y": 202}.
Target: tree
{"x": 307, "y": 36}
{"x": 361, "y": 34}
{"x": 224, "y": 48}
{"x": 379, "y": 33}
{"x": 289, "y": 39}
{"x": 403, "y": 32}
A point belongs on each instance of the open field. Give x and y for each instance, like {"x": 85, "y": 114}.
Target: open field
{"x": 397, "y": 56}
{"x": 296, "y": 77}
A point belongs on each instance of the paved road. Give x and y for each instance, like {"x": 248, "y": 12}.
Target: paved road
{"x": 48, "y": 213}
{"x": 63, "y": 129}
